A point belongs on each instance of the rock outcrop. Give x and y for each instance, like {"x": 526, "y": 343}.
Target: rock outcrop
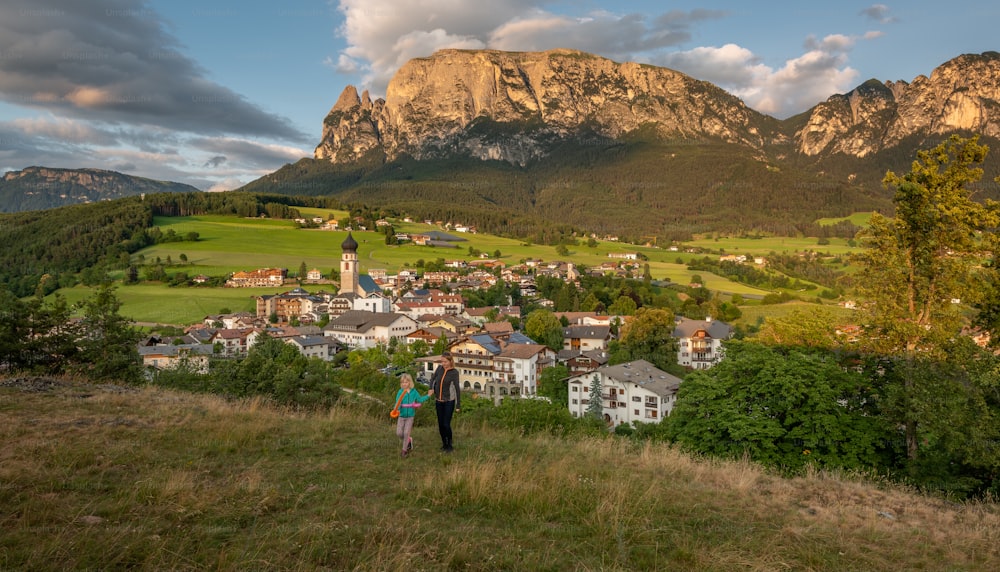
{"x": 511, "y": 106}
{"x": 960, "y": 95}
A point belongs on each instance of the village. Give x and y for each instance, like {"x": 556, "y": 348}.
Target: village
{"x": 494, "y": 360}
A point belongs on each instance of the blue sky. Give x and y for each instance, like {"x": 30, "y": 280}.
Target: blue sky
{"x": 218, "y": 93}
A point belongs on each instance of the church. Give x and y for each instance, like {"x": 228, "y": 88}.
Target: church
{"x": 359, "y": 290}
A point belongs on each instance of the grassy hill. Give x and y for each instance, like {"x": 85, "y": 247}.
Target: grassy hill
{"x": 104, "y": 477}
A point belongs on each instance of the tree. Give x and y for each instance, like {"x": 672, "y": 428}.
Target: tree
{"x": 649, "y": 336}
{"x": 544, "y": 327}
{"x": 303, "y": 270}
{"x": 786, "y": 408}
{"x": 921, "y": 260}
{"x": 107, "y": 340}
{"x": 595, "y": 403}
{"x": 552, "y": 384}
{"x": 623, "y": 306}
{"x": 814, "y": 329}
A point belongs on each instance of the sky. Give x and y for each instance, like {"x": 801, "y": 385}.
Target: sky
{"x": 218, "y": 93}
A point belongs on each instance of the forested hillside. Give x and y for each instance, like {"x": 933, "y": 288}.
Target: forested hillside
{"x": 634, "y": 187}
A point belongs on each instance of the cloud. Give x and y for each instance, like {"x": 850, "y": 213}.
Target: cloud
{"x": 879, "y": 13}
{"x": 215, "y": 161}
{"x": 382, "y": 35}
{"x": 794, "y": 87}
{"x": 226, "y": 184}
{"x": 245, "y": 154}
{"x": 114, "y": 61}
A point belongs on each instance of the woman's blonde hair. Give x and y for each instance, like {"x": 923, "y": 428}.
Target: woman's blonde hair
{"x": 406, "y": 378}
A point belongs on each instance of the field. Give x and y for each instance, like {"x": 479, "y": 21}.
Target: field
{"x": 111, "y": 478}
{"x": 230, "y": 244}
{"x": 160, "y": 304}
{"x": 780, "y": 244}
{"x": 857, "y": 219}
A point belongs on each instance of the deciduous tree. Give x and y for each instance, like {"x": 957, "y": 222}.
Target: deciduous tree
{"x": 921, "y": 262}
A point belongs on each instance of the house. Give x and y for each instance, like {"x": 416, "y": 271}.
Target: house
{"x": 320, "y": 347}
{"x": 517, "y": 369}
{"x": 585, "y": 338}
{"x": 456, "y": 324}
{"x": 362, "y": 329}
{"x": 260, "y": 278}
{"x": 417, "y": 309}
{"x": 453, "y": 303}
{"x": 496, "y": 367}
{"x": 294, "y": 304}
{"x": 700, "y": 341}
{"x": 578, "y": 362}
{"x": 232, "y": 342}
{"x": 161, "y": 357}
{"x": 430, "y": 335}
{"x": 631, "y": 392}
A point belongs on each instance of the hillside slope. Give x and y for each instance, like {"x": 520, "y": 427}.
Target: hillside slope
{"x": 111, "y": 477}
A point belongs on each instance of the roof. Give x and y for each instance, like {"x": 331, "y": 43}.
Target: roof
{"x": 643, "y": 374}
{"x": 519, "y": 338}
{"x": 488, "y": 343}
{"x": 587, "y": 332}
{"x": 367, "y": 284}
{"x": 311, "y": 341}
{"x": 686, "y": 328}
{"x": 498, "y": 327}
{"x": 521, "y": 351}
{"x": 363, "y": 320}
{"x": 349, "y": 244}
{"x": 174, "y": 351}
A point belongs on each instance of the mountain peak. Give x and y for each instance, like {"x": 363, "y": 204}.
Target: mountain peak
{"x": 512, "y": 106}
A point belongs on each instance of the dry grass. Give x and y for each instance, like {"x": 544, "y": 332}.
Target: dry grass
{"x": 101, "y": 478}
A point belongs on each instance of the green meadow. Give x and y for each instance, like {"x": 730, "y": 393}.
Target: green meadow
{"x": 779, "y": 244}
{"x": 229, "y": 244}
{"x": 857, "y": 219}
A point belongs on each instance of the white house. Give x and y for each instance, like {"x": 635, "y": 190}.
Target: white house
{"x": 633, "y": 391}
{"x": 516, "y": 369}
{"x": 700, "y": 341}
{"x": 320, "y": 347}
{"x": 361, "y": 329}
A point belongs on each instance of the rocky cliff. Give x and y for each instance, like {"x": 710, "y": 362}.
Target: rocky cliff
{"x": 960, "y": 95}
{"x": 510, "y": 106}
{"x": 37, "y": 188}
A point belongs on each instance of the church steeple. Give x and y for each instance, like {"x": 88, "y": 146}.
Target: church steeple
{"x": 349, "y": 244}
{"x": 349, "y": 265}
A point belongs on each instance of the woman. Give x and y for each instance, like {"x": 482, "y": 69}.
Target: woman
{"x": 445, "y": 386}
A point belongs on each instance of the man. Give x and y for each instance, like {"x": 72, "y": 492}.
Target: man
{"x": 447, "y": 397}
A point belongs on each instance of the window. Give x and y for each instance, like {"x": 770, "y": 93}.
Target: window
{"x": 636, "y": 398}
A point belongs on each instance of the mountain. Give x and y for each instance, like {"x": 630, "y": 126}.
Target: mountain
{"x": 960, "y": 95}
{"x": 512, "y": 106}
{"x": 628, "y": 149}
{"x": 37, "y": 188}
